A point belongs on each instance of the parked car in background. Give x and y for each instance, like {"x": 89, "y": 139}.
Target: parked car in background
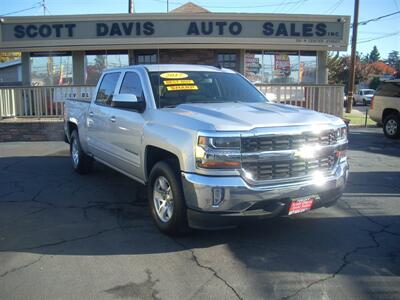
{"x": 385, "y": 107}
{"x": 363, "y": 96}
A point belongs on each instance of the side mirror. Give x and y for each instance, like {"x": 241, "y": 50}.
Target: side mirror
{"x": 128, "y": 101}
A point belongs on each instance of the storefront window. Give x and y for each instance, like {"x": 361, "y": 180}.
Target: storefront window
{"x": 146, "y": 59}
{"x": 227, "y": 60}
{"x": 51, "y": 68}
{"x": 253, "y": 70}
{"x": 276, "y": 67}
{"x": 97, "y": 61}
{"x": 308, "y": 67}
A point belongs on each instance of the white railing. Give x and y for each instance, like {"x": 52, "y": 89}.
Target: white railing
{"x": 40, "y": 101}
{"x": 47, "y": 101}
{"x": 323, "y": 98}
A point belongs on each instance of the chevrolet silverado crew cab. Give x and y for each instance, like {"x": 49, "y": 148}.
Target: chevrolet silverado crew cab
{"x": 210, "y": 148}
{"x": 385, "y": 107}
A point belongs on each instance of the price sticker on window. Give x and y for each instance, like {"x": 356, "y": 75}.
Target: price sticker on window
{"x": 182, "y": 88}
{"x": 174, "y": 75}
{"x": 178, "y": 82}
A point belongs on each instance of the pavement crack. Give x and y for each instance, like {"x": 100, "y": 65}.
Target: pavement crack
{"x": 212, "y": 270}
{"x": 21, "y": 267}
{"x": 61, "y": 242}
{"x": 345, "y": 259}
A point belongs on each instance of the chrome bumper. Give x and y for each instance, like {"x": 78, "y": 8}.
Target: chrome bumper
{"x": 239, "y": 196}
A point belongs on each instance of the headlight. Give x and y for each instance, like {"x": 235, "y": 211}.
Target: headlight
{"x": 218, "y": 152}
{"x": 341, "y": 133}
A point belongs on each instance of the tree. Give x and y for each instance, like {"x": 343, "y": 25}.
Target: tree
{"x": 7, "y": 56}
{"x": 339, "y": 68}
{"x": 374, "y": 55}
{"x": 394, "y": 60}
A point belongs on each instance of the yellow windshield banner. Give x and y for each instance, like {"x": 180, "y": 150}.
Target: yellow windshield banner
{"x": 177, "y": 82}
{"x": 182, "y": 88}
{"x": 174, "y": 75}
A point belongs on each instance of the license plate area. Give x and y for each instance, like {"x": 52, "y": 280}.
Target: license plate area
{"x": 303, "y": 204}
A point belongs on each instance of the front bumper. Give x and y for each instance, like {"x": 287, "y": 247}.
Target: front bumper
{"x": 242, "y": 201}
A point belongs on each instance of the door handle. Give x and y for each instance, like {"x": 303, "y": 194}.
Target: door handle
{"x": 113, "y": 119}
{"x": 91, "y": 114}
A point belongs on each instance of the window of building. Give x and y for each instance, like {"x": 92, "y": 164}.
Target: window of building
{"x": 131, "y": 84}
{"x": 107, "y": 87}
{"x": 227, "y": 60}
{"x": 53, "y": 68}
{"x": 146, "y": 58}
{"x": 308, "y": 67}
{"x": 281, "y": 67}
{"x": 97, "y": 61}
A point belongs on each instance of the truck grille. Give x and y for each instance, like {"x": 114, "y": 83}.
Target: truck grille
{"x": 260, "y": 170}
{"x": 274, "y": 143}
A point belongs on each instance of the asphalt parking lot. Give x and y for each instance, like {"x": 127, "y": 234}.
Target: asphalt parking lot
{"x": 65, "y": 236}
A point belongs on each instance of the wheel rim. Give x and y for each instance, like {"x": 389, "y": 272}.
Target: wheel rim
{"x": 75, "y": 152}
{"x": 391, "y": 127}
{"x": 163, "y": 199}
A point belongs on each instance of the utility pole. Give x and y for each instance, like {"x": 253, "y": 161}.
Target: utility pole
{"x": 353, "y": 58}
{"x": 131, "y": 9}
{"x": 44, "y": 7}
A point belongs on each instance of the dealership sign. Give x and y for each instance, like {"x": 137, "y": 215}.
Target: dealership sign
{"x": 333, "y": 32}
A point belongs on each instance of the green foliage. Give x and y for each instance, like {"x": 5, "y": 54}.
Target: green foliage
{"x": 394, "y": 60}
{"x": 374, "y": 83}
{"x": 374, "y": 55}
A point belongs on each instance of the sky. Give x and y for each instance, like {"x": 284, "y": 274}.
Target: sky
{"x": 385, "y": 33}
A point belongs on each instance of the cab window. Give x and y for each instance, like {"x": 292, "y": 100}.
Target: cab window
{"x": 131, "y": 85}
{"x": 106, "y": 90}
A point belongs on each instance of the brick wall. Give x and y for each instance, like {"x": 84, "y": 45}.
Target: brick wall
{"x": 31, "y": 131}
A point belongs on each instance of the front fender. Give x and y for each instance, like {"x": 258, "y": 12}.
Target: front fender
{"x": 178, "y": 141}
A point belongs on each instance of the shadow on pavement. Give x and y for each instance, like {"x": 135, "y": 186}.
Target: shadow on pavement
{"x": 46, "y": 208}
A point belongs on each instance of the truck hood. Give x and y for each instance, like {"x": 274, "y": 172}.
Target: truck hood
{"x": 246, "y": 116}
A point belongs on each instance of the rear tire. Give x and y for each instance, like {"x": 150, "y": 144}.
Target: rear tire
{"x": 391, "y": 126}
{"x": 81, "y": 162}
{"x": 166, "y": 199}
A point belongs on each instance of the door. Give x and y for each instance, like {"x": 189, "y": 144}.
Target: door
{"x": 127, "y": 128}
{"x": 99, "y": 123}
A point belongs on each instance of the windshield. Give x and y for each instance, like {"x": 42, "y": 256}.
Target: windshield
{"x": 368, "y": 92}
{"x": 173, "y": 88}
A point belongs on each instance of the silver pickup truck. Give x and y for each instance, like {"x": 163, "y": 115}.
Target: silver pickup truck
{"x": 210, "y": 148}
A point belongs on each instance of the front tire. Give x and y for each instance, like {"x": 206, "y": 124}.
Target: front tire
{"x": 166, "y": 199}
{"x": 81, "y": 162}
{"x": 391, "y": 126}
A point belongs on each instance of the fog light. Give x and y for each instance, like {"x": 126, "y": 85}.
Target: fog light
{"x": 218, "y": 196}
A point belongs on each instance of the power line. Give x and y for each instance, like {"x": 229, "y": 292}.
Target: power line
{"x": 395, "y": 4}
{"x": 377, "y": 18}
{"x": 334, "y": 7}
{"x": 380, "y": 37}
{"x": 38, "y": 4}
{"x": 297, "y": 6}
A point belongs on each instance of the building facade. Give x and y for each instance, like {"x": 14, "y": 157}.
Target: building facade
{"x": 266, "y": 48}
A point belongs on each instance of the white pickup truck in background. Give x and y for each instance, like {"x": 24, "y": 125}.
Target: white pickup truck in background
{"x": 363, "y": 97}
{"x": 211, "y": 149}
